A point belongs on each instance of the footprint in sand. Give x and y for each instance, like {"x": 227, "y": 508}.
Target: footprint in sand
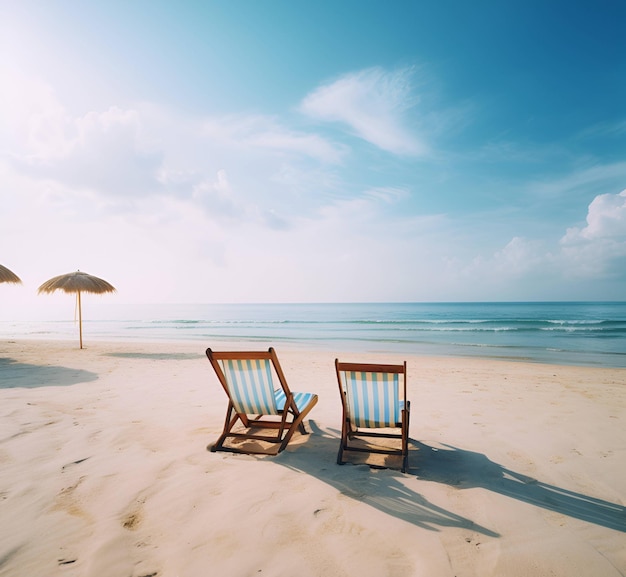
{"x": 131, "y": 521}
{"x": 134, "y": 517}
{"x": 67, "y": 501}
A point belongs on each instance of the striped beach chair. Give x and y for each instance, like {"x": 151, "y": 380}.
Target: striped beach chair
{"x": 373, "y": 397}
{"x": 257, "y": 401}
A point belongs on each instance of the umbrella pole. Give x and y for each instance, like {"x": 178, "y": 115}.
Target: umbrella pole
{"x": 80, "y": 320}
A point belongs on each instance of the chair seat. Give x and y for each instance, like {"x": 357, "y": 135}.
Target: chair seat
{"x": 401, "y": 405}
{"x": 301, "y": 399}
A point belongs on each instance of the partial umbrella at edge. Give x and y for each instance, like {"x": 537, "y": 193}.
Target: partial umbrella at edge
{"x": 77, "y": 282}
{"x": 8, "y": 276}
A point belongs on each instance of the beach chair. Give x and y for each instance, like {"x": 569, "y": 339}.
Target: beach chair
{"x": 257, "y": 402}
{"x": 373, "y": 397}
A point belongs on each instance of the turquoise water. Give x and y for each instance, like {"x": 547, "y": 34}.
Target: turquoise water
{"x": 565, "y": 333}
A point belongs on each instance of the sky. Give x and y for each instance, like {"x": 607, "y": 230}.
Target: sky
{"x": 331, "y": 151}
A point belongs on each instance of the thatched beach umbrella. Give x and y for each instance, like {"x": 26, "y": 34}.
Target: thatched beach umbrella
{"x": 8, "y": 276}
{"x": 77, "y": 282}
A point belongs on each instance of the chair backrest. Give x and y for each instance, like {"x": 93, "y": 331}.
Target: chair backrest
{"x": 247, "y": 378}
{"x": 373, "y": 395}
{"x": 250, "y": 385}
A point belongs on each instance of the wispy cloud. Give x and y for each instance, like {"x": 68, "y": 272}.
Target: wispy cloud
{"x": 593, "y": 176}
{"x": 266, "y": 133}
{"x": 605, "y": 129}
{"x": 387, "y": 194}
{"x": 373, "y": 103}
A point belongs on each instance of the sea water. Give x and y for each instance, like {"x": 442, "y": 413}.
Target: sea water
{"x": 581, "y": 333}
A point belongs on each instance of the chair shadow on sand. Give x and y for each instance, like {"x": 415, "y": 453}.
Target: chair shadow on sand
{"x": 382, "y": 490}
{"x": 14, "y": 374}
{"x": 450, "y": 466}
{"x": 466, "y": 469}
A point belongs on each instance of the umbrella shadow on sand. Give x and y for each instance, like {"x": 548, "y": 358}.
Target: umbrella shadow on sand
{"x": 381, "y": 489}
{"x": 14, "y": 374}
{"x": 158, "y": 356}
{"x": 466, "y": 469}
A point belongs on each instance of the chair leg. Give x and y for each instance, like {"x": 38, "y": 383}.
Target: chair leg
{"x": 343, "y": 442}
{"x": 405, "y": 437}
{"x": 340, "y": 455}
{"x": 298, "y": 423}
{"x": 229, "y": 423}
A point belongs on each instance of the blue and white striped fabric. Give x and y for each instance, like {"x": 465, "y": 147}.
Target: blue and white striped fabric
{"x": 251, "y": 386}
{"x": 373, "y": 398}
{"x": 301, "y": 399}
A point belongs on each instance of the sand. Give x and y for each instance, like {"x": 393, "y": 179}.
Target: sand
{"x": 516, "y": 469}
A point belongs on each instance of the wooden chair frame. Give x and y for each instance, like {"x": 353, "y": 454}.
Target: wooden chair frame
{"x": 285, "y": 423}
{"x": 350, "y": 432}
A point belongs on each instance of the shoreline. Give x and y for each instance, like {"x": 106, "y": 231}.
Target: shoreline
{"x": 516, "y": 468}
{"x": 568, "y": 358}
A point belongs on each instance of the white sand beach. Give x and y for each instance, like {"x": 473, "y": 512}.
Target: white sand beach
{"x": 516, "y": 469}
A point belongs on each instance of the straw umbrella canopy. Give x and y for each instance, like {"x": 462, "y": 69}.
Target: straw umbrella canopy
{"x": 8, "y": 276}
{"x": 77, "y": 282}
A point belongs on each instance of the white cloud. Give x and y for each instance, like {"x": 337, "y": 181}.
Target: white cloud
{"x": 606, "y": 218}
{"x": 237, "y": 166}
{"x": 216, "y": 196}
{"x": 33, "y": 121}
{"x": 521, "y": 269}
{"x": 97, "y": 151}
{"x": 122, "y": 152}
{"x": 518, "y": 257}
{"x": 373, "y": 103}
{"x": 109, "y": 156}
{"x": 584, "y": 260}
{"x": 598, "y": 250}
{"x": 592, "y": 254}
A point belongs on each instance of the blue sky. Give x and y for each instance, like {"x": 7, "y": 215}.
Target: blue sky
{"x": 281, "y": 151}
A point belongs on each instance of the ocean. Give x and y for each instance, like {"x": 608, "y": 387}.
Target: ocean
{"x": 573, "y": 333}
